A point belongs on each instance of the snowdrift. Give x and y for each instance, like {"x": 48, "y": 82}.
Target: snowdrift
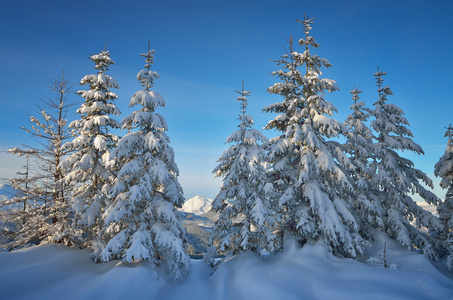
{"x": 53, "y": 271}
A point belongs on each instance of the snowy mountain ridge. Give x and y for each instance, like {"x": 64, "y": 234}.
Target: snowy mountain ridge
{"x": 197, "y": 220}
{"x": 198, "y": 205}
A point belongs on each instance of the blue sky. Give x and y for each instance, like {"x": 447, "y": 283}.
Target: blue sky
{"x": 205, "y": 48}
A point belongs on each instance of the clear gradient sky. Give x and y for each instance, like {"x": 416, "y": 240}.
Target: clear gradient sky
{"x": 205, "y": 48}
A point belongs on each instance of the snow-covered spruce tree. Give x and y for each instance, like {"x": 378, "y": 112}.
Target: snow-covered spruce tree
{"x": 142, "y": 223}
{"x": 308, "y": 177}
{"x": 87, "y": 168}
{"x": 47, "y": 217}
{"x": 397, "y": 178}
{"x": 246, "y": 221}
{"x": 444, "y": 170}
{"x": 360, "y": 148}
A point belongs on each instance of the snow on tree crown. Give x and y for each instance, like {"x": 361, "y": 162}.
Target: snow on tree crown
{"x": 146, "y": 76}
{"x": 309, "y": 40}
{"x": 355, "y": 95}
{"x": 449, "y": 135}
{"x": 383, "y": 91}
{"x": 147, "y": 98}
{"x": 449, "y": 132}
{"x": 313, "y": 63}
{"x": 102, "y": 60}
{"x": 246, "y": 120}
{"x": 243, "y": 98}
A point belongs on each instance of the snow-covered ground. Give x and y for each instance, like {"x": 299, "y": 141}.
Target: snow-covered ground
{"x": 57, "y": 272}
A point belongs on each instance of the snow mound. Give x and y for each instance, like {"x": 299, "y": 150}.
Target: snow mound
{"x": 198, "y": 205}
{"x": 50, "y": 271}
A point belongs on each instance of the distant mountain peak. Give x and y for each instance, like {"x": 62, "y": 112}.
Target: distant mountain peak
{"x": 198, "y": 205}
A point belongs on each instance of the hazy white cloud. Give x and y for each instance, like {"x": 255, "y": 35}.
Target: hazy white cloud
{"x": 9, "y": 164}
{"x": 428, "y": 207}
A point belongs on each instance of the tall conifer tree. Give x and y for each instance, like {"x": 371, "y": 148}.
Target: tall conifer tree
{"x": 360, "y": 148}
{"x": 87, "y": 168}
{"x": 246, "y": 221}
{"x": 142, "y": 222}
{"x": 444, "y": 170}
{"x": 308, "y": 175}
{"x": 397, "y": 178}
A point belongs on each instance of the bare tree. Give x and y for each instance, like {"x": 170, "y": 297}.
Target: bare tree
{"x": 45, "y": 214}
